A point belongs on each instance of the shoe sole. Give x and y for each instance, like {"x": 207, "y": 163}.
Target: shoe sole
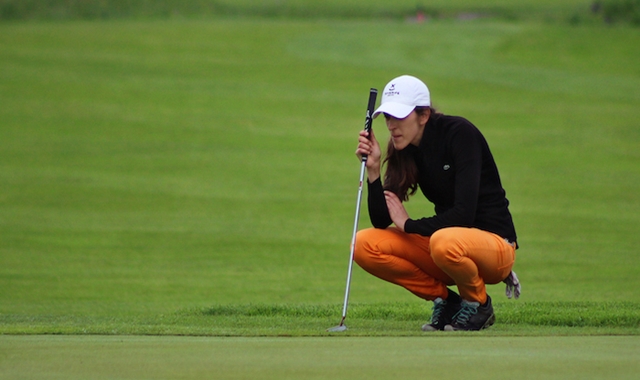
{"x": 429, "y": 328}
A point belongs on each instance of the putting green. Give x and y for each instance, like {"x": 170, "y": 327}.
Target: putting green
{"x": 129, "y": 357}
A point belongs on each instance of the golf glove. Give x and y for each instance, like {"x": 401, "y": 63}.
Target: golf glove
{"x": 513, "y": 285}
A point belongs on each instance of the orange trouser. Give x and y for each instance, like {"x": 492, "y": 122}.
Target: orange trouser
{"x": 466, "y": 257}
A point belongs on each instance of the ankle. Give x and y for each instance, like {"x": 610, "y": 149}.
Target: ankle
{"x": 453, "y": 297}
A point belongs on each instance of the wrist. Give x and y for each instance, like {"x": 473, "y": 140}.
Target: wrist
{"x": 373, "y": 174}
{"x": 402, "y": 224}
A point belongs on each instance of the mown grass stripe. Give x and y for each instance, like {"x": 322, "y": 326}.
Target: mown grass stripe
{"x": 568, "y": 314}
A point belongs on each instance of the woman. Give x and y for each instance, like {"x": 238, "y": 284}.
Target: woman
{"x": 471, "y": 239}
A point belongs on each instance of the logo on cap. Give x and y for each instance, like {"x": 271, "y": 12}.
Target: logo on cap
{"x": 392, "y": 90}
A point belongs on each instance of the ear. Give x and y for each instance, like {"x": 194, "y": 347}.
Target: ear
{"x": 424, "y": 116}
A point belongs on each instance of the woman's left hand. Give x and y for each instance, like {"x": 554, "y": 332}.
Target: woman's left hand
{"x": 397, "y": 212}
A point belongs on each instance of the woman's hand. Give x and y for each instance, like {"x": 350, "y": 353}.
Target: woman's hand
{"x": 368, "y": 144}
{"x": 397, "y": 212}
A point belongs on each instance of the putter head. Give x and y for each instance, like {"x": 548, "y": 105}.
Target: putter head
{"x": 338, "y": 328}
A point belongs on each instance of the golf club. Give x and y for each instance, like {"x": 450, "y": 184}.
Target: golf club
{"x": 373, "y": 93}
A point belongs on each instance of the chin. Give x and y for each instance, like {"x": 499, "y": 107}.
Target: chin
{"x": 400, "y": 145}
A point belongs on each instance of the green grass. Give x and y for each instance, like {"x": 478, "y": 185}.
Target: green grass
{"x": 372, "y": 319}
{"x": 153, "y": 166}
{"x": 197, "y": 177}
{"x": 319, "y": 358}
{"x": 547, "y": 10}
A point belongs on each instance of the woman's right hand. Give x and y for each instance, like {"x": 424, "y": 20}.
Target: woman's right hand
{"x": 368, "y": 144}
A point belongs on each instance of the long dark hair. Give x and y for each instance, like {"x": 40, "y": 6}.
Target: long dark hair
{"x": 401, "y": 175}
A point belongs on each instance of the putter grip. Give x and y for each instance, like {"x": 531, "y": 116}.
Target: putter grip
{"x": 368, "y": 121}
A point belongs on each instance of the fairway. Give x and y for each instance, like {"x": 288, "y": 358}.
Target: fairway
{"x": 143, "y": 175}
{"x": 177, "y": 193}
{"x": 319, "y": 358}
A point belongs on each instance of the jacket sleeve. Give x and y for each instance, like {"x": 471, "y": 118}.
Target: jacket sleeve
{"x": 466, "y": 149}
{"x": 378, "y": 211}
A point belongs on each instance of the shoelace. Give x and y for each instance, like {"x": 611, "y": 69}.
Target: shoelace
{"x": 462, "y": 316}
{"x": 438, "y": 309}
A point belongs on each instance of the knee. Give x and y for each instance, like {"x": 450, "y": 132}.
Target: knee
{"x": 364, "y": 250}
{"x": 445, "y": 247}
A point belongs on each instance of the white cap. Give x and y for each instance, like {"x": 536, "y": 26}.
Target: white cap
{"x": 401, "y": 95}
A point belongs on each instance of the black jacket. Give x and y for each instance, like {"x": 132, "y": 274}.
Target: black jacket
{"x": 458, "y": 174}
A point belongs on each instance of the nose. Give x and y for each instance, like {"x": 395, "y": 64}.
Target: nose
{"x": 391, "y": 122}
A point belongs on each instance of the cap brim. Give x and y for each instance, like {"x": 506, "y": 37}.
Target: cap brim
{"x": 397, "y": 110}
